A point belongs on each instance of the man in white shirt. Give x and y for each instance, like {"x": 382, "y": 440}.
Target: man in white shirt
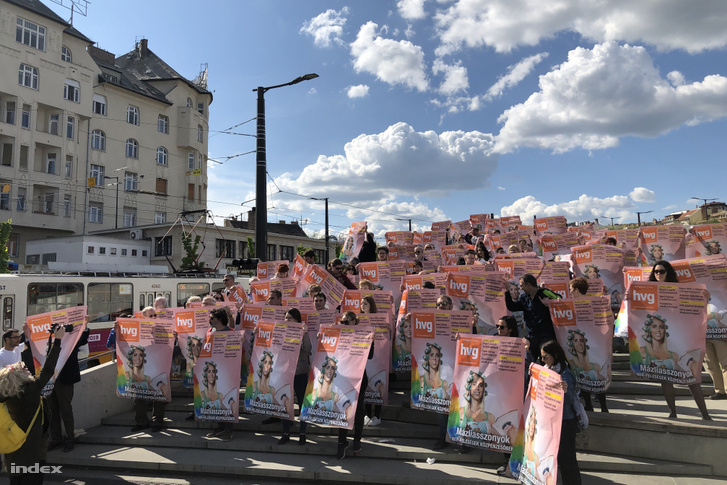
{"x": 12, "y": 348}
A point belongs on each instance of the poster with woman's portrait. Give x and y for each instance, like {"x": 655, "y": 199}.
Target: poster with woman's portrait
{"x": 706, "y": 240}
{"x": 661, "y": 243}
{"x": 584, "y": 328}
{"x": 191, "y": 327}
{"x": 433, "y": 356}
{"x": 481, "y": 295}
{"x": 377, "y": 368}
{"x": 337, "y": 369}
{"x": 534, "y": 458}
{"x": 604, "y": 262}
{"x": 143, "y": 358}
{"x": 217, "y": 377}
{"x": 667, "y": 331}
{"x": 487, "y": 392}
{"x": 271, "y": 369}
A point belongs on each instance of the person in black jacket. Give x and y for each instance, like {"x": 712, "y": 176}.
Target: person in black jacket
{"x": 20, "y": 392}
{"x": 533, "y": 303}
{"x": 62, "y": 396}
{"x": 368, "y": 250}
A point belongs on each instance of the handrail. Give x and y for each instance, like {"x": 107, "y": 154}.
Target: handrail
{"x": 86, "y": 359}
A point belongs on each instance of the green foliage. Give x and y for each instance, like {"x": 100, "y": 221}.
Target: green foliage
{"x": 5, "y": 228}
{"x": 250, "y": 247}
{"x": 301, "y": 249}
{"x": 191, "y": 244}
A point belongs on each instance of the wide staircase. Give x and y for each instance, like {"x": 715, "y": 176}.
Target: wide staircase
{"x": 634, "y": 443}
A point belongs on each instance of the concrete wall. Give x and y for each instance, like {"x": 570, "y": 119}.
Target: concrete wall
{"x": 94, "y": 398}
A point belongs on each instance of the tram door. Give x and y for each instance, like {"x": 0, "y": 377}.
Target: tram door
{"x": 146, "y": 298}
{"x": 8, "y": 311}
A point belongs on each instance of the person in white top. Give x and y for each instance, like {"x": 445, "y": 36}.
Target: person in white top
{"x": 12, "y": 348}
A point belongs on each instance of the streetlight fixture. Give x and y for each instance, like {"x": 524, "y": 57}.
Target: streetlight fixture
{"x": 704, "y": 207}
{"x": 638, "y": 216}
{"x": 108, "y": 177}
{"x": 261, "y": 217}
{"x": 612, "y": 218}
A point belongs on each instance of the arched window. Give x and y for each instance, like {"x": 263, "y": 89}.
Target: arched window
{"x": 132, "y": 148}
{"x": 132, "y": 115}
{"x": 66, "y": 54}
{"x": 98, "y": 140}
{"x": 162, "y": 156}
{"x": 189, "y": 103}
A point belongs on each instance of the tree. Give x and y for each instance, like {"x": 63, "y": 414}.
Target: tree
{"x": 301, "y": 249}
{"x": 189, "y": 261}
{"x": 4, "y": 238}
{"x": 250, "y": 247}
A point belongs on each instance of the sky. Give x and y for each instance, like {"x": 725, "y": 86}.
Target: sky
{"x": 429, "y": 110}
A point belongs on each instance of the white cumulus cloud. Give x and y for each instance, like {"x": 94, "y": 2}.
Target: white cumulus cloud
{"x": 326, "y": 28}
{"x": 515, "y": 74}
{"x": 358, "y": 91}
{"x": 585, "y": 208}
{"x": 506, "y": 24}
{"x": 393, "y": 62}
{"x": 599, "y": 95}
{"x": 642, "y": 194}
{"x": 455, "y": 77}
{"x": 411, "y": 9}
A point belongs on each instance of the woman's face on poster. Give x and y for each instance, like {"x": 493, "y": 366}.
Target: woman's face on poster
{"x": 329, "y": 371}
{"x": 713, "y": 248}
{"x": 212, "y": 376}
{"x": 196, "y": 347}
{"x": 579, "y": 343}
{"x": 478, "y": 389}
{"x": 658, "y": 253}
{"x": 407, "y": 327}
{"x": 591, "y": 273}
{"x": 267, "y": 365}
{"x": 658, "y": 330}
{"x": 137, "y": 358}
{"x": 531, "y": 427}
{"x": 514, "y": 291}
{"x": 435, "y": 359}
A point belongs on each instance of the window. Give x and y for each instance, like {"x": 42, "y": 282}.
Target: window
{"x": 28, "y": 76}
{"x": 66, "y": 54}
{"x": 189, "y": 103}
{"x": 144, "y": 253}
{"x": 162, "y": 156}
{"x": 99, "y": 104}
{"x": 243, "y": 249}
{"x": 68, "y": 172}
{"x": 131, "y": 181}
{"x": 320, "y": 255}
{"x": 30, "y": 34}
{"x": 134, "y": 252}
{"x": 7, "y": 154}
{"x": 72, "y": 91}
{"x": 160, "y": 217}
{"x": 97, "y": 172}
{"x": 46, "y": 297}
{"x": 22, "y": 194}
{"x": 70, "y": 128}
{"x": 10, "y": 112}
{"x": 124, "y": 251}
{"x": 200, "y": 108}
{"x": 129, "y": 216}
{"x": 53, "y": 122}
{"x": 271, "y": 252}
{"x": 161, "y": 187}
{"x": 287, "y": 252}
{"x": 95, "y": 213}
{"x": 190, "y": 161}
{"x": 25, "y": 117}
{"x": 106, "y": 301}
{"x": 49, "y": 258}
{"x": 200, "y": 133}
{"x": 163, "y": 124}
{"x": 48, "y": 204}
{"x": 50, "y": 164}
{"x": 32, "y": 259}
{"x": 112, "y": 251}
{"x": 132, "y": 148}
{"x": 5, "y": 198}
{"x": 102, "y": 250}
{"x": 200, "y": 162}
{"x": 98, "y": 140}
{"x": 23, "y": 162}
{"x": 162, "y": 246}
{"x": 13, "y": 243}
{"x": 224, "y": 248}
{"x": 190, "y": 192}
{"x": 67, "y": 206}
{"x": 132, "y": 115}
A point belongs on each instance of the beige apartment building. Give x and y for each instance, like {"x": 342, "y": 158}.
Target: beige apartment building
{"x": 90, "y": 141}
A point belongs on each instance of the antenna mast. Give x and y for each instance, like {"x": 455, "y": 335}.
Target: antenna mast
{"x": 80, "y": 6}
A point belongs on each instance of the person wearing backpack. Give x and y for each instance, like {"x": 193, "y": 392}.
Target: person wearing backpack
{"x": 20, "y": 394}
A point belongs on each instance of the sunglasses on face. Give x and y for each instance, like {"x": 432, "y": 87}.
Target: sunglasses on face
{"x": 500, "y": 327}
{"x": 659, "y": 271}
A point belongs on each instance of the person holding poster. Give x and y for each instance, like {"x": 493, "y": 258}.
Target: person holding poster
{"x": 535, "y": 311}
{"x": 211, "y": 398}
{"x": 373, "y": 412}
{"x": 300, "y": 381}
{"x": 402, "y": 349}
{"x": 656, "y": 351}
{"x": 554, "y": 358}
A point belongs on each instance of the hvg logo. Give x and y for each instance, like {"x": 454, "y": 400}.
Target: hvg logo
{"x": 563, "y": 313}
{"x": 469, "y": 352}
{"x": 703, "y": 233}
{"x": 369, "y": 272}
{"x": 185, "y": 322}
{"x": 583, "y": 255}
{"x": 351, "y": 303}
{"x": 262, "y": 270}
{"x": 549, "y": 244}
{"x": 129, "y": 330}
{"x": 261, "y": 292}
{"x": 648, "y": 235}
{"x": 684, "y": 272}
{"x": 541, "y": 224}
{"x": 458, "y": 285}
{"x": 315, "y": 276}
{"x": 329, "y": 340}
{"x": 264, "y": 334}
{"x": 423, "y": 324}
{"x": 39, "y": 327}
{"x": 643, "y": 296}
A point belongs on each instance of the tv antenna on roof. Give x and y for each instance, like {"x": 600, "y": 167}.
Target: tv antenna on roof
{"x": 80, "y": 6}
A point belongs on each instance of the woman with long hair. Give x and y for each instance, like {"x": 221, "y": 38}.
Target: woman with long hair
{"x": 430, "y": 381}
{"x": 656, "y": 351}
{"x": 211, "y": 397}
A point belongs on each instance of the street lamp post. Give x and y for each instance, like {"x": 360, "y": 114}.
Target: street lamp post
{"x": 261, "y": 217}
{"x": 612, "y": 218}
{"x": 704, "y": 207}
{"x": 638, "y": 216}
{"x": 108, "y": 177}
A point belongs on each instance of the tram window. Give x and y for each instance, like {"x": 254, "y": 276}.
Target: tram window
{"x": 106, "y": 301}
{"x": 185, "y": 290}
{"x": 7, "y": 313}
{"x": 47, "y": 297}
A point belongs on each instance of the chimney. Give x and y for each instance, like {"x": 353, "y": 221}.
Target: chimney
{"x": 142, "y": 47}
{"x": 251, "y": 218}
{"x": 293, "y": 223}
{"x": 281, "y": 222}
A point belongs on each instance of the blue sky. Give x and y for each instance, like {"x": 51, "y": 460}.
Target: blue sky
{"x": 437, "y": 109}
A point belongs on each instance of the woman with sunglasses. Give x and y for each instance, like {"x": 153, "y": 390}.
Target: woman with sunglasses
{"x": 663, "y": 272}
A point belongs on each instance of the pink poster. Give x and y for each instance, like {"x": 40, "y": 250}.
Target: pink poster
{"x": 487, "y": 392}
{"x": 515, "y": 268}
{"x": 330, "y": 286}
{"x": 555, "y": 246}
{"x": 191, "y": 327}
{"x": 271, "y": 371}
{"x": 143, "y": 359}
{"x": 416, "y": 282}
{"x": 336, "y": 374}
{"x": 534, "y": 459}
{"x": 39, "y": 327}
{"x": 551, "y": 225}
{"x": 399, "y": 238}
{"x": 433, "y": 356}
{"x": 667, "y": 331}
{"x": 266, "y": 269}
{"x": 217, "y": 378}
{"x": 605, "y": 262}
{"x": 662, "y": 243}
{"x": 299, "y": 266}
{"x": 482, "y": 295}
{"x": 584, "y": 328}
{"x": 377, "y": 368}
{"x": 354, "y": 241}
{"x": 352, "y": 301}
{"x": 706, "y": 240}
{"x": 385, "y": 275}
